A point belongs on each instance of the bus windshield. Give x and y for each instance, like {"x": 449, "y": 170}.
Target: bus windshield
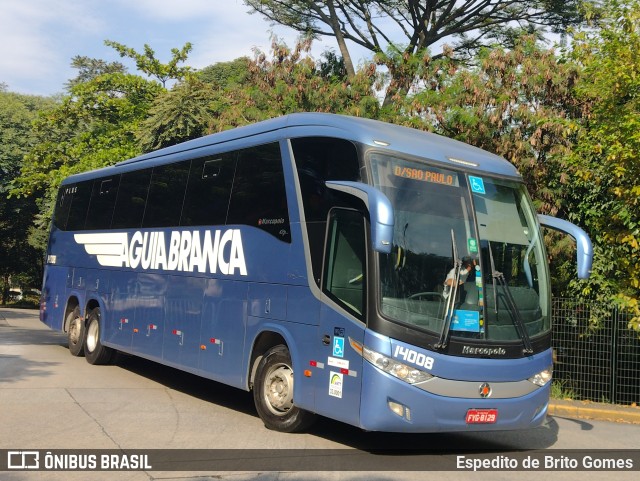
{"x": 467, "y": 256}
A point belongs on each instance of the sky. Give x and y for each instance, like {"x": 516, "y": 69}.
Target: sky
{"x": 38, "y": 38}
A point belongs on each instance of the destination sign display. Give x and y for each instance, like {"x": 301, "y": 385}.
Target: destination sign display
{"x": 425, "y": 174}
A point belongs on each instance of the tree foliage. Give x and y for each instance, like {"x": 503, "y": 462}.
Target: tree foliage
{"x": 607, "y": 150}
{"x": 403, "y": 28}
{"x": 90, "y": 68}
{"x": 292, "y": 81}
{"x": 17, "y": 256}
{"x": 94, "y": 126}
{"x": 179, "y": 115}
{"x": 147, "y": 62}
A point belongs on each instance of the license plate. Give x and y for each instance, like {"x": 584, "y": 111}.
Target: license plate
{"x": 482, "y": 416}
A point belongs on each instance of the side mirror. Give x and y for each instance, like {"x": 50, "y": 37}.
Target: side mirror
{"x": 583, "y": 243}
{"x": 380, "y": 211}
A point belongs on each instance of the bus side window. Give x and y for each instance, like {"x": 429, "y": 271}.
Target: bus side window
{"x": 344, "y": 273}
{"x": 319, "y": 159}
{"x": 259, "y": 197}
{"x": 166, "y": 195}
{"x": 63, "y": 204}
{"x": 206, "y": 201}
{"x": 132, "y": 197}
{"x": 79, "y": 206}
{"x": 103, "y": 202}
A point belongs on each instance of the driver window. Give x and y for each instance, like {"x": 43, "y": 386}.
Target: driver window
{"x": 344, "y": 273}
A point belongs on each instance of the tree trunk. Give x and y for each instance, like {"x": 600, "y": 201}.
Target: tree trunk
{"x": 342, "y": 44}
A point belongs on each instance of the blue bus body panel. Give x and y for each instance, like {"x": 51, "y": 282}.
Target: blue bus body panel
{"x": 224, "y": 320}
{"x": 336, "y": 368}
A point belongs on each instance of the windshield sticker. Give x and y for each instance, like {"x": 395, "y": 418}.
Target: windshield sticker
{"x": 465, "y": 321}
{"x": 477, "y": 185}
{"x": 473, "y": 246}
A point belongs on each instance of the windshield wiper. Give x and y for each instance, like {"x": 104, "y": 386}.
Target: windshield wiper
{"x": 511, "y": 304}
{"x": 449, "y": 310}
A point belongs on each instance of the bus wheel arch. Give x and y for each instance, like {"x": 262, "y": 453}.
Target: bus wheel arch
{"x": 74, "y": 326}
{"x": 273, "y": 386}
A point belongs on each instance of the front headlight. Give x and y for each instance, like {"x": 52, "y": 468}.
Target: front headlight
{"x": 543, "y": 377}
{"x": 397, "y": 369}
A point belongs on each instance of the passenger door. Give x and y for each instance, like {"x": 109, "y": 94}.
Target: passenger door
{"x": 338, "y": 373}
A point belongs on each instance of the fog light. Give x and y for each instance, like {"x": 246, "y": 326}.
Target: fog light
{"x": 399, "y": 409}
{"x": 396, "y": 408}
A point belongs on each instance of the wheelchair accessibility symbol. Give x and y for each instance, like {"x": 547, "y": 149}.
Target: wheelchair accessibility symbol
{"x": 338, "y": 346}
{"x": 477, "y": 185}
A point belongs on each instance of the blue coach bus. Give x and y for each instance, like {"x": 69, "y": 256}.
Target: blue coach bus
{"x": 385, "y": 277}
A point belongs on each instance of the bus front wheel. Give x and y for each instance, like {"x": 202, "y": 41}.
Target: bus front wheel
{"x": 273, "y": 393}
{"x": 75, "y": 332}
{"x": 94, "y": 351}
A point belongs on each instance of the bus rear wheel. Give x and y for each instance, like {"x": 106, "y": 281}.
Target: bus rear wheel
{"x": 94, "y": 351}
{"x": 75, "y": 332}
{"x": 273, "y": 393}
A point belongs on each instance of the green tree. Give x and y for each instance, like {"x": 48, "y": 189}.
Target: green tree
{"x": 94, "y": 126}
{"x": 17, "y": 256}
{"x": 226, "y": 74}
{"x": 607, "y": 153}
{"x": 148, "y": 63}
{"x": 90, "y": 68}
{"x": 179, "y": 115}
{"x": 408, "y": 27}
{"x": 291, "y": 81}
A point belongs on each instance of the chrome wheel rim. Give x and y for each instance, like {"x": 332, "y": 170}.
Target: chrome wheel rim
{"x": 278, "y": 389}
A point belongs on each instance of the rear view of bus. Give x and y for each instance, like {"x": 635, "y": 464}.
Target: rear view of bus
{"x": 385, "y": 277}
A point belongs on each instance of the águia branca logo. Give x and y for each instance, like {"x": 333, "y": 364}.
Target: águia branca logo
{"x": 185, "y": 251}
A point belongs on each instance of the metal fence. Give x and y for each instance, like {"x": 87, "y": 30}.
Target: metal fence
{"x": 596, "y": 355}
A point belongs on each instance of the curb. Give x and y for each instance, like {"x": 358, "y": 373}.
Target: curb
{"x": 591, "y": 410}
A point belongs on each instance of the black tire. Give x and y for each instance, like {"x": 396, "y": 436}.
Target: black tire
{"x": 273, "y": 393}
{"x": 76, "y": 332}
{"x": 94, "y": 351}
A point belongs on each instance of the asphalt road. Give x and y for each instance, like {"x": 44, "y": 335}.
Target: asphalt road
{"x": 50, "y": 400}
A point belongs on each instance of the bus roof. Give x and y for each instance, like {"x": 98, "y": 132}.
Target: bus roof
{"x": 374, "y": 133}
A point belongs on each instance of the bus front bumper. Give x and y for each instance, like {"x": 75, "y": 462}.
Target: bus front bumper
{"x": 389, "y": 404}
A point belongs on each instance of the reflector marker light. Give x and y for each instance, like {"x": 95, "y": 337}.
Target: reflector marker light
{"x": 213, "y": 340}
{"x": 319, "y": 365}
{"x": 153, "y": 326}
{"x": 124, "y": 320}
{"x": 349, "y": 372}
{"x": 177, "y": 332}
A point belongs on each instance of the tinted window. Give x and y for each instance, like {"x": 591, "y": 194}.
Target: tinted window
{"x": 258, "y": 197}
{"x": 132, "y": 196}
{"x": 63, "y": 204}
{"x": 166, "y": 195}
{"x": 103, "y": 202}
{"x": 79, "y": 206}
{"x": 207, "y": 199}
{"x": 344, "y": 277}
{"x": 319, "y": 159}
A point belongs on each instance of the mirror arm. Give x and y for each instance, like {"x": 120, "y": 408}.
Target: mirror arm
{"x": 583, "y": 242}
